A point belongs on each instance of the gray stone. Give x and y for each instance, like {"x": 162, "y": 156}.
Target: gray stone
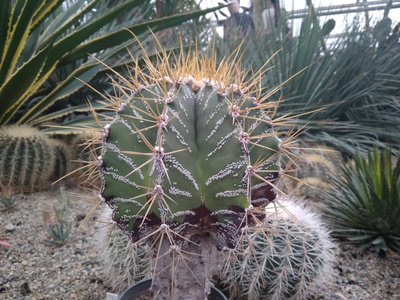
{"x": 10, "y": 227}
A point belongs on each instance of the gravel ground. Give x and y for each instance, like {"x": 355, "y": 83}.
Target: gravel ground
{"x": 38, "y": 269}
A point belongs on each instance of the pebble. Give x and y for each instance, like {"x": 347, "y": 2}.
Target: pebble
{"x": 9, "y": 227}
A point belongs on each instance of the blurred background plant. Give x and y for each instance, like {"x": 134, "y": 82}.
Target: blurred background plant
{"x": 364, "y": 203}
{"x": 46, "y": 46}
{"x": 345, "y": 89}
{"x": 57, "y": 224}
{"x": 8, "y": 202}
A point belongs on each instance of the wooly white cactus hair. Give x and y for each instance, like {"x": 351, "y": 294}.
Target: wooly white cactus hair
{"x": 288, "y": 256}
{"x": 191, "y": 156}
{"x": 124, "y": 262}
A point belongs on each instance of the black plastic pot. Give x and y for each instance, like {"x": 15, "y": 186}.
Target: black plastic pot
{"x": 142, "y": 288}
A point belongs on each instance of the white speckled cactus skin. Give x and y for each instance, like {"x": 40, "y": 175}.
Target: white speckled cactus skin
{"x": 192, "y": 160}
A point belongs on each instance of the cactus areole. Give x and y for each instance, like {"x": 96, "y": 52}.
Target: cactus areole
{"x": 184, "y": 157}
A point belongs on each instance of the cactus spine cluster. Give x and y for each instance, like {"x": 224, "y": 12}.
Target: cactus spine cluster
{"x": 29, "y": 160}
{"x": 184, "y": 156}
{"x": 289, "y": 256}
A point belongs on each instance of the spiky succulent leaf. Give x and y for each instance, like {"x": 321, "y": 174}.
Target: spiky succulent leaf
{"x": 364, "y": 203}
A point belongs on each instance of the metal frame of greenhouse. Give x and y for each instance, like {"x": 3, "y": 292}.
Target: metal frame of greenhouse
{"x": 357, "y": 7}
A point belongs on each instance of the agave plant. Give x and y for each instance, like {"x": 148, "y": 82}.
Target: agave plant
{"x": 364, "y": 203}
{"x": 38, "y": 38}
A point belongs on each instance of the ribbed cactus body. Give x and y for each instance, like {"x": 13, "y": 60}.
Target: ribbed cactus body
{"x": 190, "y": 158}
{"x": 26, "y": 158}
{"x": 62, "y": 159}
{"x": 314, "y": 168}
{"x": 288, "y": 257}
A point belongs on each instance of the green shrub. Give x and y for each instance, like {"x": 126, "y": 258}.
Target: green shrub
{"x": 364, "y": 203}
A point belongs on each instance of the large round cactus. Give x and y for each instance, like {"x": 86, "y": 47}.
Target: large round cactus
{"x": 189, "y": 157}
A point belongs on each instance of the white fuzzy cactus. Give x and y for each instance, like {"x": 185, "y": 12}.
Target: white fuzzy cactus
{"x": 289, "y": 256}
{"x": 124, "y": 262}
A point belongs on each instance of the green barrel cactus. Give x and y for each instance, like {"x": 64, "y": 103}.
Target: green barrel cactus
{"x": 184, "y": 157}
{"x": 26, "y": 159}
{"x": 62, "y": 158}
{"x": 312, "y": 171}
{"x": 289, "y": 256}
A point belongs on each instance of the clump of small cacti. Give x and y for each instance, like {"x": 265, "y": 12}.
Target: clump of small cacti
{"x": 191, "y": 158}
{"x": 288, "y": 256}
{"x": 26, "y": 159}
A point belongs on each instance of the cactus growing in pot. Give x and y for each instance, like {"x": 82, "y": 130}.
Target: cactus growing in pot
{"x": 190, "y": 158}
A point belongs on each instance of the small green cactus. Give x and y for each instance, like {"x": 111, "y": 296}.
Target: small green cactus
{"x": 289, "y": 256}
{"x": 26, "y": 159}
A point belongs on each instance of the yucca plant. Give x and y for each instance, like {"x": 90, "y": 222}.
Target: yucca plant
{"x": 346, "y": 86}
{"x": 363, "y": 204}
{"x": 37, "y": 38}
